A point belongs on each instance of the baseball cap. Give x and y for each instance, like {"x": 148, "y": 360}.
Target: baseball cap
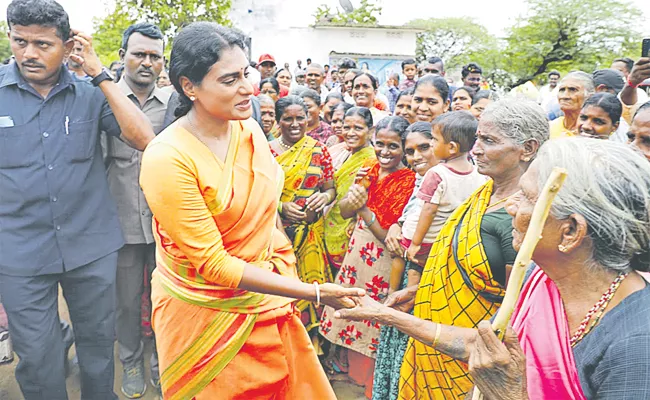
{"x": 266, "y": 58}
{"x": 609, "y": 77}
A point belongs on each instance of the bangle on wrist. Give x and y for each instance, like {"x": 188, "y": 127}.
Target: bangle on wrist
{"x": 437, "y": 337}
{"x": 372, "y": 220}
{"x": 317, "y": 287}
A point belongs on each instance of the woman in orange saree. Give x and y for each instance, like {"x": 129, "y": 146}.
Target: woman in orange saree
{"x": 225, "y": 282}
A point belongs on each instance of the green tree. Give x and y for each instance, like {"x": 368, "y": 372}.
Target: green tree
{"x": 569, "y": 34}
{"x": 170, "y": 16}
{"x": 5, "y": 48}
{"x": 366, "y": 14}
{"x": 455, "y": 40}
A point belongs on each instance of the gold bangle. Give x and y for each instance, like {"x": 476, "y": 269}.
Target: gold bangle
{"x": 435, "y": 339}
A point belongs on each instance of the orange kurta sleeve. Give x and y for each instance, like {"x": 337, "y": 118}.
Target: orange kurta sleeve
{"x": 169, "y": 179}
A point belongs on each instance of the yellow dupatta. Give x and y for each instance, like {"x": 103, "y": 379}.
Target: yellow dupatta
{"x": 337, "y": 229}
{"x": 457, "y": 288}
{"x": 308, "y": 242}
{"x": 235, "y": 310}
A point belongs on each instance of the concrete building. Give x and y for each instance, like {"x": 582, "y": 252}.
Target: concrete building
{"x": 284, "y": 30}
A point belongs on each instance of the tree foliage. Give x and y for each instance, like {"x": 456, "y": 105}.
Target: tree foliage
{"x": 5, "y": 48}
{"x": 366, "y": 14}
{"x": 568, "y": 34}
{"x": 455, "y": 40}
{"x": 169, "y": 15}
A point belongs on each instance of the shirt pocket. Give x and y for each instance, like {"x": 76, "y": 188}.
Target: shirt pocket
{"x": 18, "y": 147}
{"x": 81, "y": 138}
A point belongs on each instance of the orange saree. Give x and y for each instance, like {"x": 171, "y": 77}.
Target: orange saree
{"x": 216, "y": 341}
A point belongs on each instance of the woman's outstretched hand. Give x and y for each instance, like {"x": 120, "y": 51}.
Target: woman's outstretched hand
{"x": 338, "y": 297}
{"x": 402, "y": 300}
{"x": 366, "y": 309}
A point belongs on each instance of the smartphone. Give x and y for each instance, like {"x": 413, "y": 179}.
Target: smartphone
{"x": 645, "y": 48}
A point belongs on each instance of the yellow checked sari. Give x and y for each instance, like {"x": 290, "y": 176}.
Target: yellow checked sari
{"x": 337, "y": 229}
{"x": 457, "y": 288}
{"x": 306, "y": 166}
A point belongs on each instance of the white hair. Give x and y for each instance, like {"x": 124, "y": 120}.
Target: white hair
{"x": 265, "y": 99}
{"x": 317, "y": 66}
{"x": 585, "y": 79}
{"x": 517, "y": 119}
{"x": 609, "y": 185}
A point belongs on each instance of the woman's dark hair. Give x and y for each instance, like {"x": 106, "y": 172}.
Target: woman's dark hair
{"x": 334, "y": 95}
{"x": 471, "y": 92}
{"x": 362, "y": 112}
{"x": 373, "y": 80}
{"x": 438, "y": 82}
{"x": 281, "y": 70}
{"x": 421, "y": 127}
{"x": 196, "y": 49}
{"x": 274, "y": 82}
{"x": 144, "y": 28}
{"x": 459, "y": 127}
{"x": 45, "y": 13}
{"x": 398, "y": 125}
{"x": 311, "y": 94}
{"x": 282, "y": 104}
{"x": 608, "y": 103}
{"x": 341, "y": 106}
{"x": 406, "y": 92}
{"x": 485, "y": 94}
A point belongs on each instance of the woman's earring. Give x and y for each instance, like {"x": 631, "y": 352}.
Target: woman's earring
{"x": 562, "y": 248}
{"x": 527, "y": 159}
{"x": 192, "y": 98}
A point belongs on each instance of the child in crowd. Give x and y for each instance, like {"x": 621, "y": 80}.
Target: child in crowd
{"x": 410, "y": 71}
{"x": 445, "y": 187}
{"x": 419, "y": 155}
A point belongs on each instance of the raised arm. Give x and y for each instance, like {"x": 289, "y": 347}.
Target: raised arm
{"x": 135, "y": 126}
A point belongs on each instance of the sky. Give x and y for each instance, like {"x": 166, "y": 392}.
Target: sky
{"x": 495, "y": 15}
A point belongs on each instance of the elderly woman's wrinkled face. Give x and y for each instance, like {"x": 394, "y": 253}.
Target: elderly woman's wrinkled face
{"x": 571, "y": 95}
{"x": 496, "y": 155}
{"x": 520, "y": 207}
{"x": 639, "y": 135}
{"x": 403, "y": 108}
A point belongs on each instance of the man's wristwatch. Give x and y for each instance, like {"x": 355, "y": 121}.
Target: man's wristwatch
{"x": 103, "y": 76}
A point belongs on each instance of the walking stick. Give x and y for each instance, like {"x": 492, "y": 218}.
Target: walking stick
{"x": 533, "y": 235}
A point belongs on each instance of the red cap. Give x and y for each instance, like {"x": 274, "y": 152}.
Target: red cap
{"x": 266, "y": 58}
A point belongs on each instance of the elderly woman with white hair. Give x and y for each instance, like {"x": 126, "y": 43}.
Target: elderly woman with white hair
{"x": 573, "y": 90}
{"x": 464, "y": 279}
{"x": 581, "y": 327}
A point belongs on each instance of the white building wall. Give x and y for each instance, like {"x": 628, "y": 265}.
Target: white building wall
{"x": 273, "y": 27}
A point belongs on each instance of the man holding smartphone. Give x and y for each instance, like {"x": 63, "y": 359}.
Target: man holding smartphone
{"x": 629, "y": 96}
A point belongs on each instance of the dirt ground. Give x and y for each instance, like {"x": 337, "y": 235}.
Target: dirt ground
{"x": 9, "y": 389}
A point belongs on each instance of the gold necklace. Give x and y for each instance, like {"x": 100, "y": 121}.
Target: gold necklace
{"x": 499, "y": 202}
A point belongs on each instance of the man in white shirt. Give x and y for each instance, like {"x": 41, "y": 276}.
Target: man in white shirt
{"x": 548, "y": 93}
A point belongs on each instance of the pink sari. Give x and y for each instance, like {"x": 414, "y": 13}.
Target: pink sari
{"x": 540, "y": 322}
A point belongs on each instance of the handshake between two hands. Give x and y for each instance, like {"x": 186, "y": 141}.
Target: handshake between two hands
{"x": 353, "y": 304}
